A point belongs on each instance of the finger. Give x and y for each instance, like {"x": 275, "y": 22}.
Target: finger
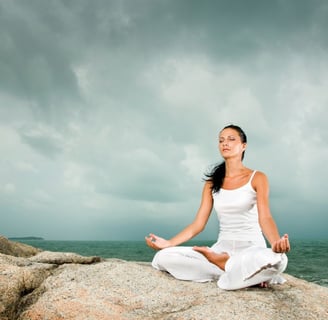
{"x": 286, "y": 243}
{"x": 149, "y": 242}
{"x": 286, "y": 238}
{"x": 283, "y": 244}
{"x": 152, "y": 237}
{"x": 148, "y": 239}
{"x": 279, "y": 247}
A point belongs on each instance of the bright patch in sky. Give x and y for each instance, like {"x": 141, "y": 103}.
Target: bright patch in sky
{"x": 110, "y": 112}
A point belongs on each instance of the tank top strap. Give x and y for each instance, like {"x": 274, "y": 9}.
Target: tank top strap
{"x": 252, "y": 175}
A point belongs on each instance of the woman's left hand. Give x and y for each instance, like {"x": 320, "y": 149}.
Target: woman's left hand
{"x": 282, "y": 245}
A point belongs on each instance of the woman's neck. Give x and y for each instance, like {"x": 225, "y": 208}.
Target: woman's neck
{"x": 234, "y": 168}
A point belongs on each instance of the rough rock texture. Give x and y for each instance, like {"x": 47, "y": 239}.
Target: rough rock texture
{"x": 57, "y": 286}
{"x": 16, "y": 249}
{"x": 59, "y": 258}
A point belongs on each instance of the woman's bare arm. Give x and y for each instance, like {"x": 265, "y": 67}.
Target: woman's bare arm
{"x": 192, "y": 229}
{"x": 261, "y": 185}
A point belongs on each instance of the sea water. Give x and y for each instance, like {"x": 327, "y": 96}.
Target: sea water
{"x": 307, "y": 260}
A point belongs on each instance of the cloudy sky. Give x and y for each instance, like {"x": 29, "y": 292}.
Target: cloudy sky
{"x": 110, "y": 112}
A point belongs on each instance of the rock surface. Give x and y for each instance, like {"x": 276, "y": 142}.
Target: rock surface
{"x": 16, "y": 249}
{"x": 57, "y": 286}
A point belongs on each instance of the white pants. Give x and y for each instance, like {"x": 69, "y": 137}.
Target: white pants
{"x": 250, "y": 263}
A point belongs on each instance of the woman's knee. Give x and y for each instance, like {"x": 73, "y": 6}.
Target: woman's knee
{"x": 163, "y": 257}
{"x": 283, "y": 264}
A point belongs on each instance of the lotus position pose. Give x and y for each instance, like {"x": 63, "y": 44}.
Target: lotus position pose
{"x": 240, "y": 257}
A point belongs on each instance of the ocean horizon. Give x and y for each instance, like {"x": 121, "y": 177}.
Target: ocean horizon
{"x": 307, "y": 260}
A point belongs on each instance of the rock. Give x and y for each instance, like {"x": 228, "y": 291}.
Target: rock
{"x": 16, "y": 249}
{"x": 62, "y": 258}
{"x": 117, "y": 289}
{"x": 57, "y": 286}
{"x": 21, "y": 279}
{"x": 18, "y": 278}
{"x": 23, "y": 269}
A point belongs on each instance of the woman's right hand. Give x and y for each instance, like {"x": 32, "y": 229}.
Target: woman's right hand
{"x": 157, "y": 243}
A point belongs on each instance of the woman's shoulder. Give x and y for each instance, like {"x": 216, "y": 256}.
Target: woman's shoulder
{"x": 259, "y": 179}
{"x": 259, "y": 174}
{"x": 255, "y": 174}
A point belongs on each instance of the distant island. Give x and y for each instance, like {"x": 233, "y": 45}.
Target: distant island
{"x": 25, "y": 238}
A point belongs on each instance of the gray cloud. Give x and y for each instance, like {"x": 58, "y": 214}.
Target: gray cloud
{"x": 46, "y": 143}
{"x": 110, "y": 110}
{"x": 35, "y": 63}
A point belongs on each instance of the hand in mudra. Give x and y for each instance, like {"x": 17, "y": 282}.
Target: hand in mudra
{"x": 156, "y": 243}
{"x": 282, "y": 245}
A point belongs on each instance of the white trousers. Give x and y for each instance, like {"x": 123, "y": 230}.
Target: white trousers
{"x": 250, "y": 263}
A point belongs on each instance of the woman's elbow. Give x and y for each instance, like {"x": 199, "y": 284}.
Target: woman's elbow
{"x": 198, "y": 228}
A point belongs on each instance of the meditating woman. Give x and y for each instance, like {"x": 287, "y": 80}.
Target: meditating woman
{"x": 240, "y": 257}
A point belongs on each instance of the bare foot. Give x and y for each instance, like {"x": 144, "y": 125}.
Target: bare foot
{"x": 262, "y": 285}
{"x": 219, "y": 259}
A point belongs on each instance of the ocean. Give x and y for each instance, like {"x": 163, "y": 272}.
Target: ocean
{"x": 307, "y": 260}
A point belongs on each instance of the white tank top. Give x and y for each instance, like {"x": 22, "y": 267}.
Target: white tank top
{"x": 237, "y": 213}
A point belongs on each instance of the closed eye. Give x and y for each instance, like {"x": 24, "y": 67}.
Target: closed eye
{"x": 230, "y": 138}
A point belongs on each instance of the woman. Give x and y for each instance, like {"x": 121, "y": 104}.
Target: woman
{"x": 240, "y": 197}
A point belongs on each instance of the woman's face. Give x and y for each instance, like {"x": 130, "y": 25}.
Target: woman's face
{"x": 230, "y": 144}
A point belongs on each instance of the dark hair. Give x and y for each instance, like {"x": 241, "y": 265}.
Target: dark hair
{"x": 217, "y": 174}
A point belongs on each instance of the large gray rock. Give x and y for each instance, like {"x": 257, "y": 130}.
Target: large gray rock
{"x": 16, "y": 249}
{"x": 18, "y": 278}
{"x": 57, "y": 286}
{"x": 59, "y": 258}
{"x": 21, "y": 279}
{"x": 117, "y": 289}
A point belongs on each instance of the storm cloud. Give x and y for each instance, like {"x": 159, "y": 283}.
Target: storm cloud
{"x": 110, "y": 111}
